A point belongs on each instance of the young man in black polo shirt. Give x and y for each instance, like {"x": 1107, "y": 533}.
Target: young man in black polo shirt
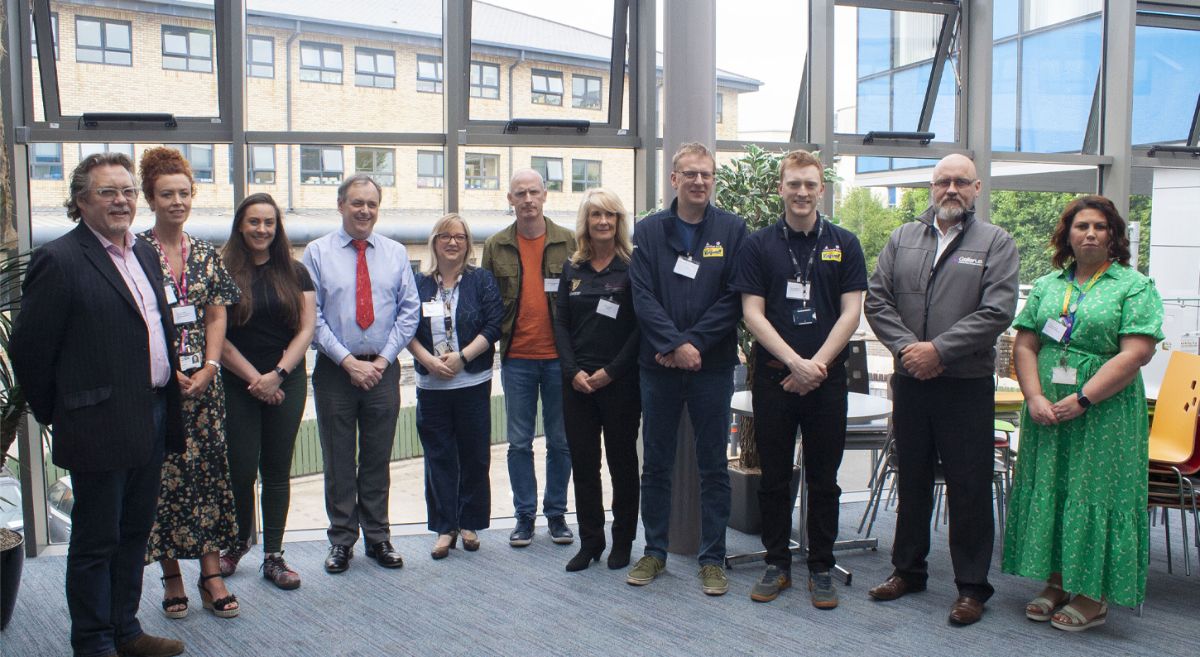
{"x": 801, "y": 281}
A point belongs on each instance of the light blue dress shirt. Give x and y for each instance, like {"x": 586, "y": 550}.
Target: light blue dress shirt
{"x": 333, "y": 263}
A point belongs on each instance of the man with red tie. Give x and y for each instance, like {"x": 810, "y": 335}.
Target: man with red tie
{"x": 367, "y": 310}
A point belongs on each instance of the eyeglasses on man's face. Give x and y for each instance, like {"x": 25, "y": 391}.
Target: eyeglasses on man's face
{"x": 111, "y": 193}
{"x": 695, "y": 175}
{"x": 943, "y": 183}
{"x": 451, "y": 237}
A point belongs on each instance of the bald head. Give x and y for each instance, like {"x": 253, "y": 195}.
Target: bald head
{"x": 954, "y": 187}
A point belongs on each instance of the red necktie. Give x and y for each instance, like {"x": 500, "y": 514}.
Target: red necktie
{"x": 364, "y": 310}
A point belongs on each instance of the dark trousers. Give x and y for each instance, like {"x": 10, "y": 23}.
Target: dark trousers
{"x": 948, "y": 419}
{"x": 455, "y": 427}
{"x": 616, "y": 411}
{"x": 110, "y": 524}
{"x": 821, "y": 416}
{"x": 351, "y": 422}
{"x": 260, "y": 439}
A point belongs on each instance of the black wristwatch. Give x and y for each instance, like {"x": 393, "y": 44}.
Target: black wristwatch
{"x": 281, "y": 372}
{"x": 1083, "y": 400}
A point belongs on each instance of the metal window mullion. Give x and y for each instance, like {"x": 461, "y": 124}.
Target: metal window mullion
{"x": 48, "y": 74}
{"x": 643, "y": 104}
{"x": 616, "y": 69}
{"x": 935, "y": 75}
{"x": 456, "y": 99}
{"x": 229, "y": 39}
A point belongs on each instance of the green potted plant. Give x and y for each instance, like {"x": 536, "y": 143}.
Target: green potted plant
{"x": 748, "y": 186}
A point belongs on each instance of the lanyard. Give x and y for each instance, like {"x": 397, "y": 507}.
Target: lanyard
{"x": 447, "y": 302}
{"x": 812, "y": 255}
{"x": 180, "y": 282}
{"x": 1070, "y": 309}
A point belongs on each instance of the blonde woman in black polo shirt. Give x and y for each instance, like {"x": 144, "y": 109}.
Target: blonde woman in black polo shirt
{"x": 596, "y": 334}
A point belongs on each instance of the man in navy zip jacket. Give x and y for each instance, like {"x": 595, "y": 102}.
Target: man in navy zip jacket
{"x": 682, "y": 261}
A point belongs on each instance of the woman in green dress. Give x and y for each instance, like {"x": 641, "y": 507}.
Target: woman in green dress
{"x": 1077, "y": 513}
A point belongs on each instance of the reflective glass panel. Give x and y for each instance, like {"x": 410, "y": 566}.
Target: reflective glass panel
{"x": 1057, "y": 84}
{"x": 1166, "y": 83}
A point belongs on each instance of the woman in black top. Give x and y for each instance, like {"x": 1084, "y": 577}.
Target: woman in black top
{"x": 596, "y": 335}
{"x": 266, "y": 384}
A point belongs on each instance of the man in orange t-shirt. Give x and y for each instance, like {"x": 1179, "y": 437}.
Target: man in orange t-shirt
{"x": 527, "y": 260}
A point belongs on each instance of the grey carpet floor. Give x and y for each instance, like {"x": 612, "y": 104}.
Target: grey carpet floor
{"x": 504, "y": 601}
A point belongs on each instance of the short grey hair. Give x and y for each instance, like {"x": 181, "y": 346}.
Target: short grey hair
{"x": 357, "y": 179}
{"x": 520, "y": 173}
{"x": 81, "y": 177}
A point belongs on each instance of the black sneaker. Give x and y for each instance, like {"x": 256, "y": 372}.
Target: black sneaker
{"x": 559, "y": 531}
{"x": 774, "y": 580}
{"x": 522, "y": 534}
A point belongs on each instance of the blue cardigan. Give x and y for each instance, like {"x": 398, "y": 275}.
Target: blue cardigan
{"x": 479, "y": 312}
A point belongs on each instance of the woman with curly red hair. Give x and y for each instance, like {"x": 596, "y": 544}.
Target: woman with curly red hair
{"x": 196, "y": 515}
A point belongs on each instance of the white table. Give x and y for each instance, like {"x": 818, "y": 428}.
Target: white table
{"x": 861, "y": 409}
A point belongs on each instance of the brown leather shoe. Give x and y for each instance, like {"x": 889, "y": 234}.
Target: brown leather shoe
{"x": 148, "y": 645}
{"x": 966, "y": 611}
{"x": 893, "y": 587}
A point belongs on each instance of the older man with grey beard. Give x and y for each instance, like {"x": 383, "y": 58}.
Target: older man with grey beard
{"x": 944, "y": 289}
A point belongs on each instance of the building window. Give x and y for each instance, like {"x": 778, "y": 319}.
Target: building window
{"x": 320, "y": 62}
{"x": 546, "y": 87}
{"x": 585, "y": 174}
{"x": 186, "y": 49}
{"x": 585, "y": 92}
{"x": 431, "y": 169}
{"x": 47, "y": 162}
{"x": 260, "y": 170}
{"x": 720, "y": 108}
{"x": 551, "y": 169}
{"x": 482, "y": 171}
{"x": 374, "y": 68}
{"x": 320, "y": 165}
{"x": 379, "y": 163}
{"x": 260, "y": 57}
{"x": 91, "y": 149}
{"x": 200, "y": 156}
{"x": 102, "y": 41}
{"x": 429, "y": 74}
{"x": 33, "y": 34}
{"x": 485, "y": 80}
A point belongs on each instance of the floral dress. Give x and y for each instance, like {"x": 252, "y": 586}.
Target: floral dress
{"x": 1078, "y": 504}
{"x": 195, "y": 503}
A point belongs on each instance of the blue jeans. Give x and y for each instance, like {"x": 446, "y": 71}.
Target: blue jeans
{"x": 707, "y": 394}
{"x": 523, "y": 379}
{"x": 455, "y": 427}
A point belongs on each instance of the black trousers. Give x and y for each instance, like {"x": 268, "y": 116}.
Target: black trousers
{"x": 821, "y": 416}
{"x": 614, "y": 410}
{"x": 948, "y": 419}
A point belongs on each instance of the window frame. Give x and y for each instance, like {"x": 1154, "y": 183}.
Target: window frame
{"x": 719, "y": 107}
{"x": 52, "y": 168}
{"x": 481, "y": 86}
{"x": 198, "y": 173}
{"x": 576, "y": 181}
{"x": 375, "y": 76}
{"x": 251, "y": 63}
{"x": 53, "y": 30}
{"x": 187, "y": 57}
{"x": 106, "y": 147}
{"x": 482, "y": 181}
{"x": 383, "y": 178}
{"x": 324, "y": 172}
{"x": 254, "y": 166}
{"x": 547, "y": 95}
{"x": 437, "y": 180}
{"x": 552, "y": 185}
{"x": 435, "y": 84}
{"x": 577, "y": 100}
{"x": 104, "y": 49}
{"x": 323, "y": 67}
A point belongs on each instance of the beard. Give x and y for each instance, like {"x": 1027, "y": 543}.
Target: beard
{"x": 950, "y": 212}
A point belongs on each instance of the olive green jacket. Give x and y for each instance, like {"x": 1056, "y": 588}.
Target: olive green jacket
{"x": 502, "y": 257}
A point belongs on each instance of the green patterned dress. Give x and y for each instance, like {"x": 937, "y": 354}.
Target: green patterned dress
{"x": 1078, "y": 503}
{"x": 195, "y": 503}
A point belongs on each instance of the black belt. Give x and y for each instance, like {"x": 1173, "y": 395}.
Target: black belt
{"x": 367, "y": 357}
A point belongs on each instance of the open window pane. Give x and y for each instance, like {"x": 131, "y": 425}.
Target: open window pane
{"x": 1166, "y": 76}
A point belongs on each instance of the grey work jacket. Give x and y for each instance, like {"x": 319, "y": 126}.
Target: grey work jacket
{"x": 961, "y": 303}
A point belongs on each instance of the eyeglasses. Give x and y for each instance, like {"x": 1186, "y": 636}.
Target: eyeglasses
{"x": 943, "y": 183}
{"x": 110, "y": 193}
{"x": 451, "y": 237}
{"x": 694, "y": 175}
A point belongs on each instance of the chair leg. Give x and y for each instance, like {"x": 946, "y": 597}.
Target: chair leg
{"x": 1167, "y": 535}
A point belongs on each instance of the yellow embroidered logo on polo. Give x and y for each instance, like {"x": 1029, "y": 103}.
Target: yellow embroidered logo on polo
{"x": 831, "y": 255}
{"x": 714, "y": 250}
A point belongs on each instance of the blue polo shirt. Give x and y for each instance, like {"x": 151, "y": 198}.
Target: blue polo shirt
{"x": 764, "y": 267}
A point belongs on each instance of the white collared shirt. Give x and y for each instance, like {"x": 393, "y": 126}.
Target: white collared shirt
{"x": 945, "y": 238}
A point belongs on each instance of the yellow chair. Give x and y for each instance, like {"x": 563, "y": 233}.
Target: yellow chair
{"x": 1173, "y": 432}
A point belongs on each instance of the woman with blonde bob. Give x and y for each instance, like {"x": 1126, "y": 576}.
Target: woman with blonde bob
{"x": 596, "y": 334}
{"x": 453, "y": 349}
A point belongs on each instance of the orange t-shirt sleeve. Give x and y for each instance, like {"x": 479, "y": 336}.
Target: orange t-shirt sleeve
{"x": 533, "y": 335}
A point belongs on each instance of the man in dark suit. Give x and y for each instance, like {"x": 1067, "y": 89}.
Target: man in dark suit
{"x": 91, "y": 347}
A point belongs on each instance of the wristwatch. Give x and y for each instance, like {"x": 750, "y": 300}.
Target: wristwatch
{"x": 214, "y": 363}
{"x": 281, "y": 372}
{"x": 1083, "y": 400}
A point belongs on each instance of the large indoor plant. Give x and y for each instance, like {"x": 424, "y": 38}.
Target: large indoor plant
{"x": 748, "y": 186}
